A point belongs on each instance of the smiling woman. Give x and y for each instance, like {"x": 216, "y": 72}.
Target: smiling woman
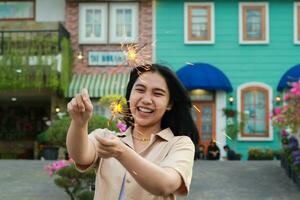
{"x": 155, "y": 158}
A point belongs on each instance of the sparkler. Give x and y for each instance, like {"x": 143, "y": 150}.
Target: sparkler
{"x": 116, "y": 109}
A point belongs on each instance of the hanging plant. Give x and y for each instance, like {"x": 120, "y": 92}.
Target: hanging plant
{"x": 31, "y": 63}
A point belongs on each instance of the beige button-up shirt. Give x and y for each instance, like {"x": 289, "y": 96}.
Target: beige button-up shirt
{"x": 164, "y": 149}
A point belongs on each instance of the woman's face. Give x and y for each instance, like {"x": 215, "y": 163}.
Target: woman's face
{"x": 149, "y": 99}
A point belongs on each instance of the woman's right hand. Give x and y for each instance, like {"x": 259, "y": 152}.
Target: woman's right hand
{"x": 80, "y": 108}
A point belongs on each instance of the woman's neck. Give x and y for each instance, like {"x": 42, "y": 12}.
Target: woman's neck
{"x": 145, "y": 132}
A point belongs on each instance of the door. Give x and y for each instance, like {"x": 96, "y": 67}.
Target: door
{"x": 204, "y": 116}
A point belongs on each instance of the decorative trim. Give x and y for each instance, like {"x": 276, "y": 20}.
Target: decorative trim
{"x": 297, "y": 23}
{"x": 82, "y": 8}
{"x": 241, "y": 24}
{"x": 212, "y": 23}
{"x": 270, "y": 128}
{"x": 112, "y": 24}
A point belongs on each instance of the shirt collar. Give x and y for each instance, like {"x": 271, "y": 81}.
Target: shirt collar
{"x": 165, "y": 134}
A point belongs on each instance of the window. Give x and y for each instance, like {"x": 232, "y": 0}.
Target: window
{"x": 17, "y": 10}
{"x": 297, "y": 22}
{"x": 92, "y": 23}
{"x": 254, "y": 23}
{"x": 254, "y": 104}
{"x": 123, "y": 26}
{"x": 199, "y": 23}
{"x": 108, "y": 22}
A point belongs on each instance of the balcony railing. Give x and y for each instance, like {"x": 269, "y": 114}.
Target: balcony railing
{"x": 32, "y": 42}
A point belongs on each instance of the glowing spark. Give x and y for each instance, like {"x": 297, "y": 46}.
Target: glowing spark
{"x": 131, "y": 54}
{"x": 116, "y": 108}
{"x": 227, "y": 136}
{"x": 196, "y": 108}
{"x": 189, "y": 63}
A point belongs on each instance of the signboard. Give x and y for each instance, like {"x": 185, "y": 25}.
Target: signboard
{"x": 96, "y": 58}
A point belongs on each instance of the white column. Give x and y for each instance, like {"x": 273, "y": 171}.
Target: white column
{"x": 220, "y": 121}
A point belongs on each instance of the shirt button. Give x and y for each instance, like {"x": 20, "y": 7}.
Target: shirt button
{"x": 128, "y": 181}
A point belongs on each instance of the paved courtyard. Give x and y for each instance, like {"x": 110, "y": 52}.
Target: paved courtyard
{"x": 212, "y": 180}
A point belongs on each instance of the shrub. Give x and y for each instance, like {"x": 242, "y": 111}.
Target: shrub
{"x": 77, "y": 185}
{"x": 260, "y": 154}
{"x": 56, "y": 134}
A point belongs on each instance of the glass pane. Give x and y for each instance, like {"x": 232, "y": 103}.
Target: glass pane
{"x": 253, "y": 20}
{"x": 97, "y": 30}
{"x": 16, "y": 10}
{"x": 124, "y": 22}
{"x": 255, "y": 110}
{"x": 89, "y": 30}
{"x": 97, "y": 17}
{"x": 200, "y": 12}
{"x": 89, "y": 16}
{"x": 206, "y": 128}
{"x": 199, "y": 22}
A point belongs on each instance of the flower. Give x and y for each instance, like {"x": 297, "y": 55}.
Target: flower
{"x": 293, "y": 143}
{"x": 56, "y": 165}
{"x": 121, "y": 126}
{"x": 288, "y": 116}
{"x": 228, "y": 112}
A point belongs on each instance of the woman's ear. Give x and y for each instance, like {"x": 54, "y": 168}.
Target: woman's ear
{"x": 169, "y": 107}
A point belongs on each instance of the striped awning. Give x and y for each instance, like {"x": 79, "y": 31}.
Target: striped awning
{"x": 99, "y": 85}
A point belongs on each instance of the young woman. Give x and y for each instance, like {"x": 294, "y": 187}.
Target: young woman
{"x": 155, "y": 158}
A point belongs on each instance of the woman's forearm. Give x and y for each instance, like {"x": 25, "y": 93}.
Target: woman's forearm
{"x": 155, "y": 179}
{"x": 79, "y": 147}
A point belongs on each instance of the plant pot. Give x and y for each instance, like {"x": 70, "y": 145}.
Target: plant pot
{"x": 288, "y": 170}
{"x": 297, "y": 180}
{"x": 50, "y": 153}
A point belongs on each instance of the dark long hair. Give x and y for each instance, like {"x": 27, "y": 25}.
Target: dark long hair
{"x": 179, "y": 118}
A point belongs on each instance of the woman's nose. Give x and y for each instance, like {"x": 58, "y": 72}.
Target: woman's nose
{"x": 147, "y": 98}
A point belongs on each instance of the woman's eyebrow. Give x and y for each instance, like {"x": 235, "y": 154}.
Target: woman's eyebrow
{"x": 154, "y": 89}
{"x": 140, "y": 85}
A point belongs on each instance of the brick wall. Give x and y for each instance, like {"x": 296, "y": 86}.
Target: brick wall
{"x": 72, "y": 25}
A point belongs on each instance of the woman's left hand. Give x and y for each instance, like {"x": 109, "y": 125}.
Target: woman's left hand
{"x": 109, "y": 146}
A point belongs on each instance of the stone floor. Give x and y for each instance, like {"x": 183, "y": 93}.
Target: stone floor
{"x": 212, "y": 180}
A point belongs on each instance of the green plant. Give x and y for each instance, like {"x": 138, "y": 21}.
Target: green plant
{"x": 29, "y": 63}
{"x": 233, "y": 126}
{"x": 288, "y": 115}
{"x": 76, "y": 184}
{"x": 260, "y": 154}
{"x": 56, "y": 134}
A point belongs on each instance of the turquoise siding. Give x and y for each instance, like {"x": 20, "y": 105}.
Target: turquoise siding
{"x": 241, "y": 63}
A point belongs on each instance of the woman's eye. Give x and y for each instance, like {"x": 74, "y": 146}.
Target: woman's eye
{"x": 139, "y": 89}
{"x": 158, "y": 94}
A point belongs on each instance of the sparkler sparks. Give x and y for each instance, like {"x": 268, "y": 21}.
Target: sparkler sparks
{"x": 227, "y": 136}
{"x": 116, "y": 109}
{"x": 196, "y": 108}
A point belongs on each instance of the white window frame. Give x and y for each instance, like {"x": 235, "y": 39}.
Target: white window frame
{"x": 112, "y": 27}
{"x": 296, "y": 23}
{"x": 212, "y": 23}
{"x": 239, "y": 106}
{"x": 241, "y": 25}
{"x": 82, "y": 9}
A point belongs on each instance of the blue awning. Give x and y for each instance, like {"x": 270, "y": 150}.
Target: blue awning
{"x": 292, "y": 75}
{"x": 203, "y": 76}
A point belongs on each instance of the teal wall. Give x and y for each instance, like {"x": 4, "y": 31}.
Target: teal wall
{"x": 241, "y": 63}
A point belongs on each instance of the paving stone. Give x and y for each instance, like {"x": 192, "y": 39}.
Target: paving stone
{"x": 212, "y": 180}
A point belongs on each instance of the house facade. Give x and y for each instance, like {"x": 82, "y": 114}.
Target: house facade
{"x": 231, "y": 56}
{"x": 101, "y": 33}
{"x": 34, "y": 71}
